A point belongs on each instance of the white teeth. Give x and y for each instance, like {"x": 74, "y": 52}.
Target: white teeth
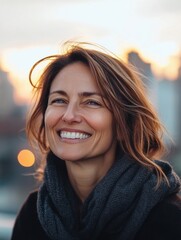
{"x": 73, "y": 135}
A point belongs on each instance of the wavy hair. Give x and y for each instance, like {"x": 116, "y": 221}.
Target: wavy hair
{"x": 138, "y": 128}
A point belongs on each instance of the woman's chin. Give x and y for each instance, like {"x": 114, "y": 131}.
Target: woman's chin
{"x": 69, "y": 157}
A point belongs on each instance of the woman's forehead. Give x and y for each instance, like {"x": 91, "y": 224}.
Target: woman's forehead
{"x": 76, "y": 76}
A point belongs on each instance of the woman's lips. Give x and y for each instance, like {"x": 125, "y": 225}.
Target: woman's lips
{"x": 73, "y": 135}
{"x": 65, "y": 134}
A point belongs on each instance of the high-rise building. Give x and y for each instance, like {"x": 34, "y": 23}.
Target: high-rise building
{"x": 178, "y": 105}
{"x": 146, "y": 74}
{"x": 167, "y": 108}
{"x": 164, "y": 95}
{"x": 6, "y": 95}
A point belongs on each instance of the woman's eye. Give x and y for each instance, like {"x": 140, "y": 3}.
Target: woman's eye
{"x": 58, "y": 101}
{"x": 93, "y": 103}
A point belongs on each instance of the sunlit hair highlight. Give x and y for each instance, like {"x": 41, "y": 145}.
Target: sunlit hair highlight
{"x": 138, "y": 129}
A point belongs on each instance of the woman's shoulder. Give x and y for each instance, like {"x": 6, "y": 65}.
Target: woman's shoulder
{"x": 164, "y": 221}
{"x": 27, "y": 225}
{"x": 32, "y": 198}
{"x": 29, "y": 205}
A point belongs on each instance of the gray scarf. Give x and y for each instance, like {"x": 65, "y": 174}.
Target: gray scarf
{"x": 116, "y": 208}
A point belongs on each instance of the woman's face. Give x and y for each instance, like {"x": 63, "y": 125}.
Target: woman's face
{"x": 78, "y": 125}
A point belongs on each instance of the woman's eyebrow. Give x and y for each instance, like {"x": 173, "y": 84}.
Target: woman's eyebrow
{"x": 81, "y": 94}
{"x": 61, "y": 92}
{"x": 89, "y": 94}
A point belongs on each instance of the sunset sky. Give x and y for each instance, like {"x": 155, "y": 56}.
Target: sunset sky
{"x": 30, "y": 30}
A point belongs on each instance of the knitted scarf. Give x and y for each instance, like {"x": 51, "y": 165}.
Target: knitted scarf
{"x": 116, "y": 208}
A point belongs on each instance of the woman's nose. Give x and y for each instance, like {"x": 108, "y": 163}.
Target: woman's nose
{"x": 71, "y": 114}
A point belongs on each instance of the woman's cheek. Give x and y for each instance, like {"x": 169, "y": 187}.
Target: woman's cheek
{"x": 52, "y": 116}
{"x": 100, "y": 120}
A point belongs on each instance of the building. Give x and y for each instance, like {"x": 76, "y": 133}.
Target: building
{"x": 165, "y": 96}
{"x": 167, "y": 109}
{"x": 178, "y": 105}
{"x": 6, "y": 95}
{"x": 146, "y": 74}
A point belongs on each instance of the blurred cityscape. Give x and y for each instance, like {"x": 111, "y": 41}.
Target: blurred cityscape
{"x": 17, "y": 181}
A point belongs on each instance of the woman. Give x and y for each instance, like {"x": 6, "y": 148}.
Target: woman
{"x": 101, "y": 139}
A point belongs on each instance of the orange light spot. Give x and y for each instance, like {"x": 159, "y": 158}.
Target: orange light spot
{"x": 26, "y": 158}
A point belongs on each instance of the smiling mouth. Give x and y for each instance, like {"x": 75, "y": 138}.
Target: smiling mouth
{"x": 73, "y": 135}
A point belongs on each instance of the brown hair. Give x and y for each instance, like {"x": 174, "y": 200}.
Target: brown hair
{"x": 139, "y": 131}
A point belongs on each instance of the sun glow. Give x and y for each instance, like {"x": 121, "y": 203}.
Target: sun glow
{"x": 18, "y": 62}
{"x": 164, "y": 64}
{"x": 26, "y": 158}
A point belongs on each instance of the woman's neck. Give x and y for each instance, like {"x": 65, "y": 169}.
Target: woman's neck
{"x": 84, "y": 175}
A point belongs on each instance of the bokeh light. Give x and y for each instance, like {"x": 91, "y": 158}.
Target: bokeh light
{"x": 26, "y": 158}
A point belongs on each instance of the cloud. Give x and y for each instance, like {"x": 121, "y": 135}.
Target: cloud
{"x": 163, "y": 7}
{"x": 49, "y": 33}
{"x": 133, "y": 23}
{"x": 31, "y": 22}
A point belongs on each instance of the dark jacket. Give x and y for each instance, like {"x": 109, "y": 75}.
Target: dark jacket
{"x": 163, "y": 222}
